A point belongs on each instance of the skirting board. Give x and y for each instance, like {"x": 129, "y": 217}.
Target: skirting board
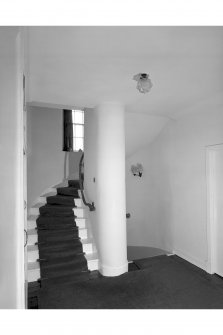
{"x": 201, "y": 264}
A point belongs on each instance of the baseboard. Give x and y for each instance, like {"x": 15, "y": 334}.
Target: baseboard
{"x": 195, "y": 261}
{"x": 111, "y": 271}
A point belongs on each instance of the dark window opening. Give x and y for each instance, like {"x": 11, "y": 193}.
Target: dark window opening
{"x": 73, "y": 121}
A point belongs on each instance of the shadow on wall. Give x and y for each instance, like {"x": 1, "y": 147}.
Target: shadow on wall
{"x": 71, "y": 164}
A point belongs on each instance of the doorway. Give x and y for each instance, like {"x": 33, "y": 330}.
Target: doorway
{"x": 215, "y": 208}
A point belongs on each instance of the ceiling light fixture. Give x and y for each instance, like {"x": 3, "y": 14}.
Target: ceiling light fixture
{"x": 144, "y": 83}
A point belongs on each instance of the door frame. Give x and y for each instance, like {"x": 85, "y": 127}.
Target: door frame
{"x": 22, "y": 174}
{"x": 211, "y": 151}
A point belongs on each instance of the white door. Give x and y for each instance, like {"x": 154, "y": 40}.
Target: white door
{"x": 218, "y": 229}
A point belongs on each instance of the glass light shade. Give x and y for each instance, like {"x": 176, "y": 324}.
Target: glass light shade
{"x": 144, "y": 83}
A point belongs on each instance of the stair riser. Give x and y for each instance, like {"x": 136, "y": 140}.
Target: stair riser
{"x": 93, "y": 265}
{"x": 31, "y": 224}
{"x": 87, "y": 248}
{"x": 32, "y": 239}
{"x": 33, "y": 256}
{"x": 81, "y": 223}
{"x": 79, "y": 212}
{"x": 33, "y": 275}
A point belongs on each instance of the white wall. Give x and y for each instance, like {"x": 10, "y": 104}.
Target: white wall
{"x": 173, "y": 194}
{"x": 46, "y": 160}
{"x": 11, "y": 205}
{"x": 149, "y": 199}
{"x": 141, "y": 130}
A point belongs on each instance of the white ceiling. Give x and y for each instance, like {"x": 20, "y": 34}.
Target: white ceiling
{"x": 83, "y": 66}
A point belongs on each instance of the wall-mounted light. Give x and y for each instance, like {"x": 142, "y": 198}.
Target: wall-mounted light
{"x": 144, "y": 83}
{"x": 137, "y": 170}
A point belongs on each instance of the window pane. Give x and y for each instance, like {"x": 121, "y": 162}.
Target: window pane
{"x": 78, "y": 131}
{"x": 79, "y": 144}
{"x": 78, "y": 117}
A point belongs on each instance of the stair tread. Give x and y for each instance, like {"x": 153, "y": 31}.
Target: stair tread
{"x": 31, "y": 248}
{"x": 33, "y": 266}
{"x": 32, "y": 217}
{"x": 87, "y": 240}
{"x": 32, "y": 231}
{"x": 57, "y": 263}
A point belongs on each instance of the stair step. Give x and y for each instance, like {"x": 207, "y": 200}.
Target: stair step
{"x": 34, "y": 267}
{"x": 33, "y": 235}
{"x": 56, "y": 210}
{"x": 33, "y": 271}
{"x": 50, "y": 269}
{"x": 68, "y": 191}
{"x": 33, "y": 253}
{"x": 55, "y": 222}
{"x": 31, "y": 221}
{"x": 81, "y": 222}
{"x": 87, "y": 246}
{"x": 64, "y": 258}
{"x": 57, "y": 246}
{"x": 92, "y": 261}
{"x": 61, "y": 200}
{"x": 50, "y": 236}
{"x": 79, "y": 212}
{"x": 74, "y": 183}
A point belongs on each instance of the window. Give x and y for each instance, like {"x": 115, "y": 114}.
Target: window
{"x": 73, "y": 130}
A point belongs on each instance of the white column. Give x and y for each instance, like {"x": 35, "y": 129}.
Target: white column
{"x": 110, "y": 182}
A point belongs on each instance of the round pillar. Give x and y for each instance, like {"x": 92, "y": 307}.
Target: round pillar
{"x": 111, "y": 194}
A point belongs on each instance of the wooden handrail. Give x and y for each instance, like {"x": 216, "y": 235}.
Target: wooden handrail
{"x": 91, "y": 206}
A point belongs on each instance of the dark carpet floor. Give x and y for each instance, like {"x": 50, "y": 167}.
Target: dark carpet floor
{"x": 161, "y": 283}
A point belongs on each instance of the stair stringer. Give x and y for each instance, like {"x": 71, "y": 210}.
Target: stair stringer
{"x": 89, "y": 227}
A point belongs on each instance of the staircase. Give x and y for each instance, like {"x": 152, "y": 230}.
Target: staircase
{"x": 60, "y": 246}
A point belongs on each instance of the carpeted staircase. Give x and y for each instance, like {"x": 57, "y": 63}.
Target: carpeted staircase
{"x": 60, "y": 245}
{"x": 61, "y": 254}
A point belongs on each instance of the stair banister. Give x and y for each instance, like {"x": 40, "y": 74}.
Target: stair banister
{"x": 91, "y": 206}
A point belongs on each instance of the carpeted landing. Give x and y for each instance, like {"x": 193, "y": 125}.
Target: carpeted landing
{"x": 162, "y": 283}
